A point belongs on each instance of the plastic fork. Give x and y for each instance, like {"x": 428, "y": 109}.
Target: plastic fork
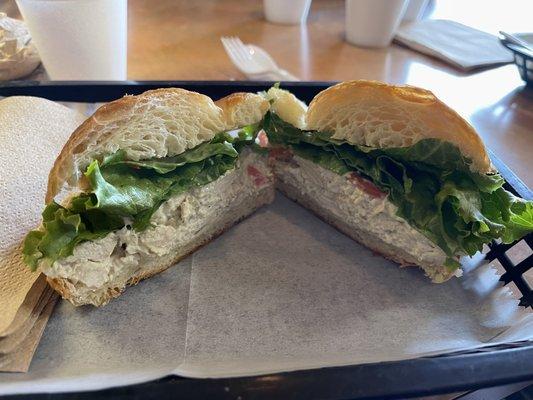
{"x": 253, "y": 61}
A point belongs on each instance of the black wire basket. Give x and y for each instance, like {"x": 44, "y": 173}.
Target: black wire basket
{"x": 523, "y": 58}
{"x": 444, "y": 373}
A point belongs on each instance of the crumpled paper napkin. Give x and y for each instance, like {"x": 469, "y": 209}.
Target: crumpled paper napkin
{"x": 18, "y": 55}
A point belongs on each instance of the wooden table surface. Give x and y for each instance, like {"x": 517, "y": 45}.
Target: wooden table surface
{"x": 171, "y": 39}
{"x": 179, "y": 39}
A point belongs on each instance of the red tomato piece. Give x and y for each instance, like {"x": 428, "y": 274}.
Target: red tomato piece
{"x": 257, "y": 177}
{"x": 263, "y": 139}
{"x": 366, "y": 186}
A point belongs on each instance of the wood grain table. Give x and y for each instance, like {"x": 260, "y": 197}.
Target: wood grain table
{"x": 180, "y": 40}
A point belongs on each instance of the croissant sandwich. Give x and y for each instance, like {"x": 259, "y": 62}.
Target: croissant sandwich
{"x": 148, "y": 179}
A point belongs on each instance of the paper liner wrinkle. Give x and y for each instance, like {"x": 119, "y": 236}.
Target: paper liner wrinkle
{"x": 280, "y": 291}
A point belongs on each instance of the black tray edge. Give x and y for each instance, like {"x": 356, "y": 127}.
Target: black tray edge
{"x": 445, "y": 373}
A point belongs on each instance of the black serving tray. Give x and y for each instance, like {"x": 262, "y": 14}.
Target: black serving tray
{"x": 445, "y": 373}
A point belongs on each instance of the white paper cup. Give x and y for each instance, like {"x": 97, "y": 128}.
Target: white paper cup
{"x": 415, "y": 10}
{"x": 79, "y": 39}
{"x": 372, "y": 23}
{"x": 286, "y": 11}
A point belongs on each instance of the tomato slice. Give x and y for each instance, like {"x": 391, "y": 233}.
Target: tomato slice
{"x": 365, "y": 185}
{"x": 257, "y": 177}
{"x": 262, "y": 138}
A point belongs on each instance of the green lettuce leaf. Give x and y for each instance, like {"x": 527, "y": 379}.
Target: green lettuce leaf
{"x": 169, "y": 164}
{"x": 125, "y": 191}
{"x": 430, "y": 182}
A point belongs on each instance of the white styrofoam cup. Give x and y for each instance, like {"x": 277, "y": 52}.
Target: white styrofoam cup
{"x": 372, "y": 23}
{"x": 415, "y": 10}
{"x": 79, "y": 39}
{"x": 286, "y": 11}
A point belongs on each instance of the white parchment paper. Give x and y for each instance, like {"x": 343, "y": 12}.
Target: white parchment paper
{"x": 137, "y": 337}
{"x": 280, "y": 291}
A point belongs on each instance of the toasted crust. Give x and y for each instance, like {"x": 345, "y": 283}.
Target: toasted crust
{"x": 67, "y": 291}
{"x": 242, "y": 109}
{"x": 157, "y": 123}
{"x": 379, "y": 115}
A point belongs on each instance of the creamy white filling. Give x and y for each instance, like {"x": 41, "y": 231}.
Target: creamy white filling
{"x": 344, "y": 198}
{"x": 181, "y": 219}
